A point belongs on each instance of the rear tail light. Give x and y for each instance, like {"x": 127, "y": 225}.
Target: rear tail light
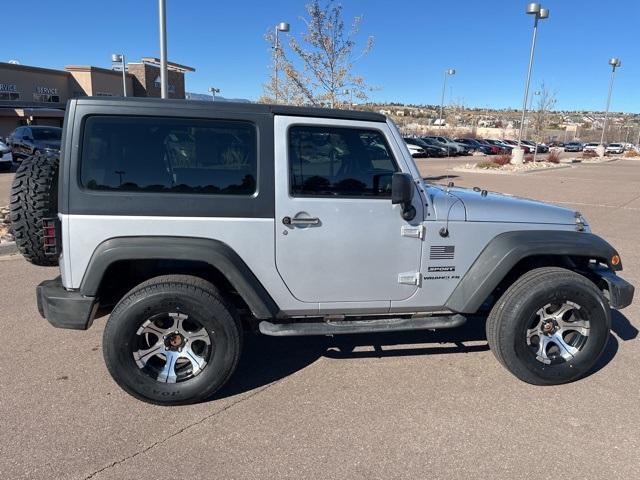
{"x": 50, "y": 237}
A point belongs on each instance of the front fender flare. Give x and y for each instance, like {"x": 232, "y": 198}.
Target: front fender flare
{"x": 213, "y": 252}
{"x": 504, "y": 251}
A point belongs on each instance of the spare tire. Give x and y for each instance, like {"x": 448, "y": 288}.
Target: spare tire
{"x": 34, "y": 197}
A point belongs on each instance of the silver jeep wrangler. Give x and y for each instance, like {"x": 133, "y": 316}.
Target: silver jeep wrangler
{"x": 191, "y": 222}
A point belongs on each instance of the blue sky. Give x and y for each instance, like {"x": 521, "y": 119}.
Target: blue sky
{"x": 415, "y": 41}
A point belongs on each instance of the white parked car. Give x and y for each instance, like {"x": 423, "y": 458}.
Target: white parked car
{"x": 6, "y": 159}
{"x": 416, "y": 151}
{"x": 590, "y": 147}
{"x": 615, "y": 148}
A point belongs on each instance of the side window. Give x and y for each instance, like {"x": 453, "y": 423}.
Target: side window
{"x": 336, "y": 161}
{"x": 169, "y": 155}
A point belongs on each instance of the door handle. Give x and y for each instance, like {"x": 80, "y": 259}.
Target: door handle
{"x": 301, "y": 221}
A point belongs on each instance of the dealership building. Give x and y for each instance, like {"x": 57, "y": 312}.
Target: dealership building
{"x": 38, "y": 96}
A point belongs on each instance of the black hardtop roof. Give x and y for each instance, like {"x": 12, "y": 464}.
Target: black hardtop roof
{"x": 252, "y": 108}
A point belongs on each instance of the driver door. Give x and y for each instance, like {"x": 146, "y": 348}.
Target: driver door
{"x": 338, "y": 237}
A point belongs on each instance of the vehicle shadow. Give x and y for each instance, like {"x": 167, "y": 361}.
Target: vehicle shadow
{"x": 624, "y": 330}
{"x": 268, "y": 359}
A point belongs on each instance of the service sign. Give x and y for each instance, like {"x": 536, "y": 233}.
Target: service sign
{"x": 8, "y": 87}
{"x": 47, "y": 90}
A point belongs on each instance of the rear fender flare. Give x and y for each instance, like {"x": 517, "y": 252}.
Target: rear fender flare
{"x": 213, "y": 252}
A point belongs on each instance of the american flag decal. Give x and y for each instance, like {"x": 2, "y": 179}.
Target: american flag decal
{"x": 442, "y": 252}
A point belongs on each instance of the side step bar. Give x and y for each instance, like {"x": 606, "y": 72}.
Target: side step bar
{"x": 334, "y": 327}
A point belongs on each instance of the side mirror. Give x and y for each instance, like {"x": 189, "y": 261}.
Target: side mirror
{"x": 402, "y": 193}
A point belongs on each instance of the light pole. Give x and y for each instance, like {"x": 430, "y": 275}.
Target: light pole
{"x": 539, "y": 13}
{"x": 162, "y": 17}
{"x": 537, "y": 92}
{"x": 213, "y": 91}
{"x": 615, "y": 63}
{"x": 281, "y": 27}
{"x": 119, "y": 58}
{"x": 450, "y": 71}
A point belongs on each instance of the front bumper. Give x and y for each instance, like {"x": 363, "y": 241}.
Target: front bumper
{"x": 64, "y": 308}
{"x": 620, "y": 291}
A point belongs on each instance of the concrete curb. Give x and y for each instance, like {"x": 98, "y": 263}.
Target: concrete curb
{"x": 8, "y": 248}
{"x": 504, "y": 172}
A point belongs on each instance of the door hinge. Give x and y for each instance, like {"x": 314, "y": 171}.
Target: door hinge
{"x": 409, "y": 278}
{"x": 413, "y": 232}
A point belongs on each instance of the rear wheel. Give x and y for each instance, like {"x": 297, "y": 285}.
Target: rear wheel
{"x": 172, "y": 340}
{"x": 549, "y": 327}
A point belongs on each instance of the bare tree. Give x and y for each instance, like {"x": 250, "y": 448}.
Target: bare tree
{"x": 546, "y": 102}
{"x": 319, "y": 70}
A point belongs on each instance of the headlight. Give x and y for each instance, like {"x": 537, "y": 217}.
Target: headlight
{"x": 581, "y": 223}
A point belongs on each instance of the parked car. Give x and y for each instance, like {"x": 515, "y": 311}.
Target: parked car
{"x": 590, "y": 147}
{"x": 453, "y": 148}
{"x": 495, "y": 150}
{"x": 435, "y": 143}
{"x": 500, "y": 143}
{"x": 6, "y": 158}
{"x": 573, "y": 147}
{"x": 615, "y": 148}
{"x": 430, "y": 150}
{"x": 503, "y": 148}
{"x": 162, "y": 243}
{"x": 523, "y": 146}
{"x": 27, "y": 141}
{"x": 416, "y": 151}
{"x": 539, "y": 147}
{"x": 475, "y": 145}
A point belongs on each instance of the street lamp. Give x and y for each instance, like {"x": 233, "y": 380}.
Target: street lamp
{"x": 539, "y": 13}
{"x": 281, "y": 27}
{"x": 119, "y": 58}
{"x": 615, "y": 63}
{"x": 164, "y": 75}
{"x": 213, "y": 91}
{"x": 450, "y": 71}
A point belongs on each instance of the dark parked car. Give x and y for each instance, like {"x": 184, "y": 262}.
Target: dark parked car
{"x": 475, "y": 145}
{"x": 539, "y": 147}
{"x": 524, "y": 146}
{"x": 448, "y": 149}
{"x": 27, "y": 141}
{"x": 573, "y": 147}
{"x": 504, "y": 147}
{"x": 430, "y": 150}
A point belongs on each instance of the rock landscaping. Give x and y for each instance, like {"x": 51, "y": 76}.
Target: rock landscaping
{"x": 5, "y": 226}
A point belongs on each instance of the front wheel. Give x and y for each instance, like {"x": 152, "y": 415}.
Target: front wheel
{"x": 549, "y": 327}
{"x": 172, "y": 340}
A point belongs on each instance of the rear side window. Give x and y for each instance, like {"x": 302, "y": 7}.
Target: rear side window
{"x": 173, "y": 155}
{"x": 333, "y": 161}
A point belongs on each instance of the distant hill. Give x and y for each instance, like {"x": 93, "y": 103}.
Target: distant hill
{"x": 207, "y": 97}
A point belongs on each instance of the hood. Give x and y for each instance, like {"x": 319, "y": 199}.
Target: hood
{"x": 55, "y": 144}
{"x": 498, "y": 207}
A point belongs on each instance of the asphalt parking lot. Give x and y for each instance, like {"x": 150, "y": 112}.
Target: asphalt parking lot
{"x": 412, "y": 405}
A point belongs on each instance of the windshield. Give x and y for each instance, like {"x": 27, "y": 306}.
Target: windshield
{"x": 51, "y": 133}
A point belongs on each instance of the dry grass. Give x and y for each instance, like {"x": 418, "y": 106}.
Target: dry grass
{"x": 488, "y": 165}
{"x": 589, "y": 154}
{"x": 631, "y": 153}
{"x": 501, "y": 159}
{"x": 554, "y": 156}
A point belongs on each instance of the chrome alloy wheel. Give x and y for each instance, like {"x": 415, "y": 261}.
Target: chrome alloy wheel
{"x": 558, "y": 333}
{"x": 172, "y": 347}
